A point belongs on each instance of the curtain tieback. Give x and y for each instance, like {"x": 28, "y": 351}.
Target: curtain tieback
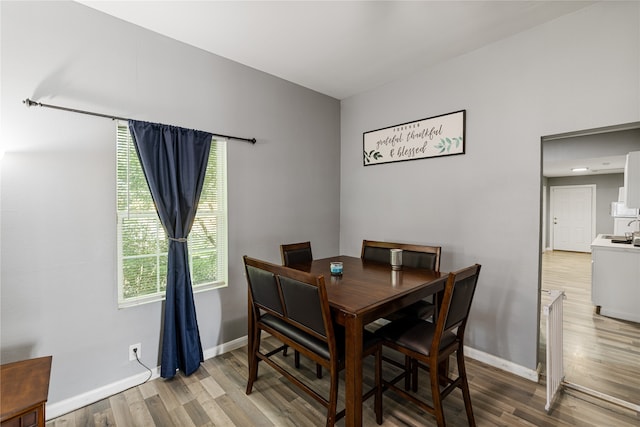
{"x": 178, "y": 239}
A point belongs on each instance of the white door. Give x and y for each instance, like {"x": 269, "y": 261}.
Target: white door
{"x": 573, "y": 217}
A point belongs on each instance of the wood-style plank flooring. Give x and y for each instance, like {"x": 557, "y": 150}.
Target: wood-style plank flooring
{"x": 215, "y": 394}
{"x": 600, "y": 353}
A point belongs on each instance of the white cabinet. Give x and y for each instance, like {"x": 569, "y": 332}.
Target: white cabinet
{"x": 615, "y": 281}
{"x": 632, "y": 180}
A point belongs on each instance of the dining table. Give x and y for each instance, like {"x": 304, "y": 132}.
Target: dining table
{"x": 364, "y": 292}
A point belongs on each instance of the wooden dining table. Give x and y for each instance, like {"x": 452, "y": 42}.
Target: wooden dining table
{"x": 365, "y": 292}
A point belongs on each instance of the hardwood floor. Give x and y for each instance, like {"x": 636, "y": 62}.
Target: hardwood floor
{"x": 600, "y": 353}
{"x": 214, "y": 396}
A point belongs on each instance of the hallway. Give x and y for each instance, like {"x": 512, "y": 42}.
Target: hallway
{"x": 600, "y": 353}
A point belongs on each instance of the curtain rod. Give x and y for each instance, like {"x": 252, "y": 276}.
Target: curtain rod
{"x": 30, "y": 103}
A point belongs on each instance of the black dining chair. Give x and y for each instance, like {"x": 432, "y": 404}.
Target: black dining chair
{"x": 295, "y": 254}
{"x": 292, "y": 306}
{"x": 431, "y": 344}
{"x": 415, "y": 256}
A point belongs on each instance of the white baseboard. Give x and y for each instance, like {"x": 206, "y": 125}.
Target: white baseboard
{"x": 489, "y": 359}
{"x": 225, "y": 347}
{"x": 502, "y": 364}
{"x": 56, "y": 409}
{"x": 617, "y": 314}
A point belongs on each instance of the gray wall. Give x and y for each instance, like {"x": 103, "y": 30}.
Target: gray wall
{"x": 58, "y": 280}
{"x": 591, "y": 146}
{"x": 577, "y": 72}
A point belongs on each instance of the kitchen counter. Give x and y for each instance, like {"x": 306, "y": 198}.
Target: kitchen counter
{"x": 604, "y": 241}
{"x": 615, "y": 279}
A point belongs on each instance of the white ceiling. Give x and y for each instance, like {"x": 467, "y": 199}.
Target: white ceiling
{"x": 338, "y": 48}
{"x": 595, "y": 166}
{"x": 342, "y": 48}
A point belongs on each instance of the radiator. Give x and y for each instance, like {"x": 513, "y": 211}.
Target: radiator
{"x": 552, "y": 310}
{"x": 555, "y": 368}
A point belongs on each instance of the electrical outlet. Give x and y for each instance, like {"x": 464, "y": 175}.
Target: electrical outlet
{"x": 133, "y": 349}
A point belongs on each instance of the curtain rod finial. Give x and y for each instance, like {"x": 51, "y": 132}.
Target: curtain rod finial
{"x": 29, "y": 102}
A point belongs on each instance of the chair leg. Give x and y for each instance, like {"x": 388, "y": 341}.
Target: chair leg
{"x": 333, "y": 398}
{"x": 407, "y": 372}
{"x": 284, "y": 352}
{"x": 253, "y": 362}
{"x": 296, "y": 362}
{"x": 464, "y": 386}
{"x": 378, "y": 379}
{"x": 436, "y": 396}
{"x": 443, "y": 369}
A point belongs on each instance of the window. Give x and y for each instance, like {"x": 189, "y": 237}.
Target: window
{"x": 142, "y": 242}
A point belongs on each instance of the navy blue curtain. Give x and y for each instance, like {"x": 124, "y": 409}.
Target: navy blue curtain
{"x": 174, "y": 161}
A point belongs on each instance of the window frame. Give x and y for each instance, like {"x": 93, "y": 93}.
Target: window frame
{"x": 220, "y": 218}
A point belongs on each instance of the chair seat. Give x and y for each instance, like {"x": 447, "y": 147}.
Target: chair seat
{"x": 418, "y": 310}
{"x": 297, "y": 335}
{"x": 314, "y": 344}
{"x": 414, "y": 334}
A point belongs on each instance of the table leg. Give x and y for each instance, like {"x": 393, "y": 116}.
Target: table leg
{"x": 353, "y": 371}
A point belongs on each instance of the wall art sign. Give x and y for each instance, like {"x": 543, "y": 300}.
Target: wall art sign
{"x": 442, "y": 135}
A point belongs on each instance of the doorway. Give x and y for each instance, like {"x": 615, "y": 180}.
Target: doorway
{"x": 572, "y": 210}
{"x": 609, "y": 367}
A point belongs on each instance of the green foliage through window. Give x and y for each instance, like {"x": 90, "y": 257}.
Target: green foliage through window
{"x": 142, "y": 241}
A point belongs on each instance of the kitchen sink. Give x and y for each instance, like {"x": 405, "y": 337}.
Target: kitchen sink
{"x": 617, "y": 239}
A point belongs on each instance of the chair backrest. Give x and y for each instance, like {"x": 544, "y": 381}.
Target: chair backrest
{"x": 456, "y": 302}
{"x": 296, "y": 253}
{"x": 295, "y": 297}
{"x": 416, "y": 256}
{"x": 264, "y": 289}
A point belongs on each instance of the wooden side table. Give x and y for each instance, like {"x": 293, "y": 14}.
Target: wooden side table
{"x": 24, "y": 387}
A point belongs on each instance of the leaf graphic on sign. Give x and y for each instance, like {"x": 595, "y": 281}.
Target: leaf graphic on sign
{"x": 373, "y": 153}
